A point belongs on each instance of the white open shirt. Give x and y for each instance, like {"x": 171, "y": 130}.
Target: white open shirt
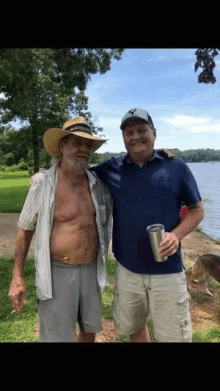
{"x": 37, "y": 214}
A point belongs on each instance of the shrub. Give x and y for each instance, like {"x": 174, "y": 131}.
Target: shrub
{"x": 31, "y": 171}
{"x": 9, "y": 159}
{"x": 11, "y": 168}
{"x": 23, "y": 166}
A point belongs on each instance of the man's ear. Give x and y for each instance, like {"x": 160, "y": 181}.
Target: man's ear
{"x": 61, "y": 146}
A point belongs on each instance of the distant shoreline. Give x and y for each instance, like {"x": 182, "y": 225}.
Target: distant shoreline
{"x": 208, "y": 161}
{"x": 199, "y": 229}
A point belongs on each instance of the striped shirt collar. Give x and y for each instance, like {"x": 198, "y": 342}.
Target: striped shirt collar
{"x": 52, "y": 175}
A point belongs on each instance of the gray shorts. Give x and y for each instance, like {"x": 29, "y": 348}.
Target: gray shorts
{"x": 165, "y": 295}
{"x": 76, "y": 297}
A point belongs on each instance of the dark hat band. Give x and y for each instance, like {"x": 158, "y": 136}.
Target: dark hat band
{"x": 83, "y": 128}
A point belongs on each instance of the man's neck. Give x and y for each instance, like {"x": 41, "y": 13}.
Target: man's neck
{"x": 141, "y": 160}
{"x": 71, "y": 175}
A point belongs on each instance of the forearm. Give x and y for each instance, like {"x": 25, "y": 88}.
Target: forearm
{"x": 22, "y": 245}
{"x": 193, "y": 217}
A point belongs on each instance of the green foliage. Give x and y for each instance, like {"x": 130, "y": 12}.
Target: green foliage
{"x": 197, "y": 155}
{"x": 207, "y": 335}
{"x": 95, "y": 158}
{"x": 108, "y": 155}
{"x": 205, "y": 60}
{"x": 43, "y": 88}
{"x": 22, "y": 166}
{"x": 9, "y": 159}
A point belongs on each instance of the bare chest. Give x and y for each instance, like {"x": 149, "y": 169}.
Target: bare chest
{"x": 73, "y": 202}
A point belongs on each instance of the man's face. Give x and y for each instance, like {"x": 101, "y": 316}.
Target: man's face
{"x": 76, "y": 151}
{"x": 139, "y": 140}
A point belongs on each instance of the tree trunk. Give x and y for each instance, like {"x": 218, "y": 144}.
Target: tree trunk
{"x": 35, "y": 143}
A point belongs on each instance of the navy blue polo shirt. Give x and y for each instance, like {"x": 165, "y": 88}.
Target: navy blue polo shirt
{"x": 143, "y": 196}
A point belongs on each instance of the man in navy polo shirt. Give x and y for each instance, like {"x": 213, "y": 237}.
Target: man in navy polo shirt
{"x": 147, "y": 189}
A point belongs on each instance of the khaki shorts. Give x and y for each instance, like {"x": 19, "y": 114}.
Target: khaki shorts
{"x": 76, "y": 298}
{"x": 165, "y": 295}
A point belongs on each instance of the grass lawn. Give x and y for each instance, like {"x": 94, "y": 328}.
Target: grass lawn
{"x": 17, "y": 327}
{"x": 207, "y": 335}
{"x": 13, "y": 191}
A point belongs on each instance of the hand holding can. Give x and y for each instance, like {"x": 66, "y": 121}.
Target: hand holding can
{"x": 156, "y": 233}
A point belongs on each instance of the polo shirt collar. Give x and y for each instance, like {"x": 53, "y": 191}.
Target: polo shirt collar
{"x": 155, "y": 156}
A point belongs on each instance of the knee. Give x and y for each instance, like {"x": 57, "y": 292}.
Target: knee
{"x": 142, "y": 335}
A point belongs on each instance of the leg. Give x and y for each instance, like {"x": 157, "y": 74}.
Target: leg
{"x": 169, "y": 303}
{"x": 89, "y": 314}
{"x": 130, "y": 306}
{"x": 207, "y": 290}
{"x": 86, "y": 337}
{"x": 58, "y": 316}
{"x": 142, "y": 335}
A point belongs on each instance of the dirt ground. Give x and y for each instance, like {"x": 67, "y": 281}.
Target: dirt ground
{"x": 203, "y": 308}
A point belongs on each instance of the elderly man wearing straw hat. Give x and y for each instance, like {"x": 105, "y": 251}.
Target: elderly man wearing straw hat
{"x": 70, "y": 211}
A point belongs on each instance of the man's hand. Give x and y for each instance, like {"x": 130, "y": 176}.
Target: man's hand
{"x": 165, "y": 153}
{"x": 169, "y": 244}
{"x": 17, "y": 288}
{"x": 17, "y": 293}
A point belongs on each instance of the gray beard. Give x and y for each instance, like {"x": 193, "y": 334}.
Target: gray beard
{"x": 74, "y": 164}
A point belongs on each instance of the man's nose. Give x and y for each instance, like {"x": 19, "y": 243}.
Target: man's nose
{"x": 136, "y": 136}
{"x": 84, "y": 147}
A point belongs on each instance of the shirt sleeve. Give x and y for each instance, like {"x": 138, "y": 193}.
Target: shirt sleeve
{"x": 29, "y": 213}
{"x": 189, "y": 190}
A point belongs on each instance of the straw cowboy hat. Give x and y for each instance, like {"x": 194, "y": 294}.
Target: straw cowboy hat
{"x": 77, "y": 126}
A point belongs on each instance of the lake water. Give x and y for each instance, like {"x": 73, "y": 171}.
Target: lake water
{"x": 207, "y": 176}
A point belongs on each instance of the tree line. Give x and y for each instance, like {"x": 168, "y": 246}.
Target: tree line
{"x": 15, "y": 153}
{"x": 188, "y": 156}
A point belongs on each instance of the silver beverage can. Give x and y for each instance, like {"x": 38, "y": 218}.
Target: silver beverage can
{"x": 156, "y": 233}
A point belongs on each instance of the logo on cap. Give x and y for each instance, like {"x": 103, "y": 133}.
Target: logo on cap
{"x": 132, "y": 111}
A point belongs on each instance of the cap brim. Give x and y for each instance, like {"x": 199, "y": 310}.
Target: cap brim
{"x": 52, "y": 137}
{"x": 125, "y": 122}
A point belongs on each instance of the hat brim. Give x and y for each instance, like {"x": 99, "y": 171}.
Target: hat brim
{"x": 52, "y": 137}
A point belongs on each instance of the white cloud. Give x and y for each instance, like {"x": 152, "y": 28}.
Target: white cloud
{"x": 193, "y": 124}
{"x": 185, "y": 120}
{"x": 206, "y": 128}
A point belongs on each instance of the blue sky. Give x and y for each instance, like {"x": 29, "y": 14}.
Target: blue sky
{"x": 185, "y": 113}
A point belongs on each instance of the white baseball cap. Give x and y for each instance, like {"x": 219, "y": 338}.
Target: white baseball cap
{"x": 136, "y": 114}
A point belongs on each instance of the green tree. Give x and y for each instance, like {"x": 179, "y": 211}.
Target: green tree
{"x": 16, "y": 142}
{"x": 46, "y": 86}
{"x": 96, "y": 158}
{"x": 205, "y": 60}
